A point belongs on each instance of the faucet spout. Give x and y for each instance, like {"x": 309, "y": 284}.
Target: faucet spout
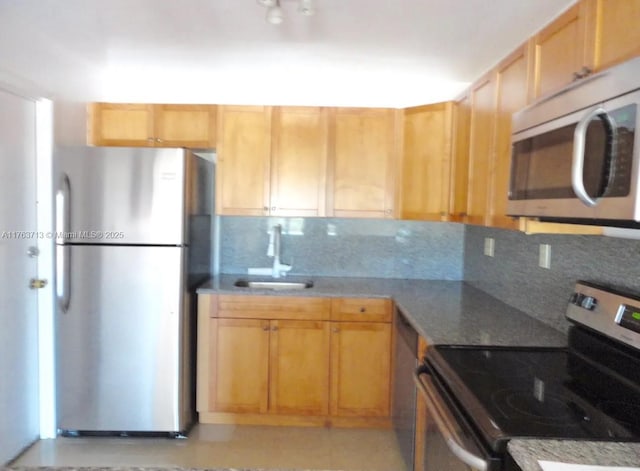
{"x": 279, "y": 269}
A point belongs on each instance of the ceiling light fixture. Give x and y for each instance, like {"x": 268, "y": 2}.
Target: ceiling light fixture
{"x": 275, "y": 14}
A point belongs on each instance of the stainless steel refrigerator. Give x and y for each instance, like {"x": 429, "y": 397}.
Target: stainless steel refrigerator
{"x": 132, "y": 240}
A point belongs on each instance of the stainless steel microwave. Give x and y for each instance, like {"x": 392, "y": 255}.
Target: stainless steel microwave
{"x": 576, "y": 154}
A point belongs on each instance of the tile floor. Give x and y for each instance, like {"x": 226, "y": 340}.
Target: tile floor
{"x": 217, "y": 446}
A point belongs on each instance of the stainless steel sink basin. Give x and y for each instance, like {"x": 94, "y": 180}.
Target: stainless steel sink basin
{"x": 275, "y": 285}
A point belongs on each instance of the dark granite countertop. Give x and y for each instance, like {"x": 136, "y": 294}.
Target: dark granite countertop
{"x": 528, "y": 452}
{"x": 443, "y": 312}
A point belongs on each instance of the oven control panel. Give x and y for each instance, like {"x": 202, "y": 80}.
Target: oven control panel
{"x": 606, "y": 310}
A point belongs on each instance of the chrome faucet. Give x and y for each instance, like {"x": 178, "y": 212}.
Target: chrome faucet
{"x": 279, "y": 269}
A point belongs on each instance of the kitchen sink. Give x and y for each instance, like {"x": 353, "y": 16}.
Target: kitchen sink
{"x": 274, "y": 285}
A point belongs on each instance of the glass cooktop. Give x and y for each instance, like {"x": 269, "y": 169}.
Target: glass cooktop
{"x": 538, "y": 392}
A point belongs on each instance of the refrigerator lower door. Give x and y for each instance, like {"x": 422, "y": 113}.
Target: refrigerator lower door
{"x": 121, "y": 355}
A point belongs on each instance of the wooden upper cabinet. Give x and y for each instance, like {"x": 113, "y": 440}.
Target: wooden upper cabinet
{"x": 244, "y": 156}
{"x": 144, "y": 125}
{"x": 299, "y": 161}
{"x": 363, "y": 153}
{"x": 511, "y": 96}
{"x": 613, "y": 32}
{"x": 120, "y": 124}
{"x": 185, "y": 126}
{"x": 426, "y": 162}
{"x": 460, "y": 160}
{"x": 560, "y": 51}
{"x": 299, "y": 364}
{"x": 482, "y": 127}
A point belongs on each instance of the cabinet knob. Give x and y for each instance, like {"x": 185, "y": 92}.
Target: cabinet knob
{"x": 335, "y": 330}
{"x": 265, "y": 328}
{"x": 273, "y": 208}
{"x": 159, "y": 140}
{"x": 150, "y": 139}
{"x": 274, "y": 328}
{"x": 265, "y": 208}
{"x": 388, "y": 211}
{"x": 363, "y": 309}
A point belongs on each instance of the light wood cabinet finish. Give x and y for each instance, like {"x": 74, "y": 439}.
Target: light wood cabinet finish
{"x": 360, "y": 369}
{"x": 147, "y": 125}
{"x": 362, "y": 162}
{"x": 560, "y": 51}
{"x": 426, "y": 162}
{"x": 460, "y": 155}
{"x": 273, "y": 307}
{"x": 361, "y": 310}
{"x": 185, "y": 126}
{"x": 302, "y": 359}
{"x": 239, "y": 364}
{"x": 613, "y": 34}
{"x": 299, "y": 365}
{"x": 120, "y": 124}
{"x": 244, "y": 158}
{"x": 272, "y": 161}
{"x": 511, "y": 86}
{"x": 299, "y": 161}
{"x": 480, "y": 149}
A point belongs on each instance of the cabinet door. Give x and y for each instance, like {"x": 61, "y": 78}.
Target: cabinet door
{"x": 559, "y": 51}
{"x": 460, "y": 163}
{"x": 299, "y": 161}
{"x": 426, "y": 162}
{"x": 185, "y": 126}
{"x": 299, "y": 361}
{"x": 360, "y": 369}
{"x": 120, "y": 124}
{"x": 244, "y": 149}
{"x": 613, "y": 31}
{"x": 511, "y": 96}
{"x": 480, "y": 149}
{"x": 240, "y": 365}
{"x": 363, "y": 154}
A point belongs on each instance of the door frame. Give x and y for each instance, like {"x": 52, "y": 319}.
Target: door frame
{"x": 45, "y": 225}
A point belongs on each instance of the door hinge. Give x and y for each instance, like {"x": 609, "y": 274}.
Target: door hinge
{"x": 35, "y": 283}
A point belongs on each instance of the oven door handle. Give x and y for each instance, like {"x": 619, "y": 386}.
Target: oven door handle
{"x": 444, "y": 420}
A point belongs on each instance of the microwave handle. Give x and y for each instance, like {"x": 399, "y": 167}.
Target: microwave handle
{"x": 577, "y": 166}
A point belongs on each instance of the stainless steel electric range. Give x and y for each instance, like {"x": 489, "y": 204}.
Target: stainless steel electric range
{"x": 478, "y": 398}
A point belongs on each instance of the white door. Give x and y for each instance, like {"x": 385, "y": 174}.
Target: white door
{"x": 19, "y": 415}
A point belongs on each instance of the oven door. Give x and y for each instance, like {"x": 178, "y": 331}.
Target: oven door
{"x": 446, "y": 440}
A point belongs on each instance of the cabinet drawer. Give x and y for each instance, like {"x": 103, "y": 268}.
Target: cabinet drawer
{"x": 361, "y": 310}
{"x": 273, "y": 307}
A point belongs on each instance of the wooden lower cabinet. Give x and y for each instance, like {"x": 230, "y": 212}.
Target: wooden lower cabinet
{"x": 360, "y": 369}
{"x": 298, "y": 371}
{"x": 239, "y": 362}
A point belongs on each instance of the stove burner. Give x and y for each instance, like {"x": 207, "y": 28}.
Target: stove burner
{"x": 626, "y": 413}
{"x": 548, "y": 408}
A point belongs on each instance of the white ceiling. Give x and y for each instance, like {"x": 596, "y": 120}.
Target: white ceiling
{"x": 352, "y": 52}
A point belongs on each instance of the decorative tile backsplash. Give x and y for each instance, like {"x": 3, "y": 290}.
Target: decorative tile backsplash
{"x": 514, "y": 276}
{"x": 376, "y": 248}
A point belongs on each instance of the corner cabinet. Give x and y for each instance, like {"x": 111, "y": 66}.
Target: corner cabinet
{"x": 272, "y": 161}
{"x": 426, "y": 162}
{"x": 293, "y": 360}
{"x": 146, "y": 125}
{"x": 363, "y": 151}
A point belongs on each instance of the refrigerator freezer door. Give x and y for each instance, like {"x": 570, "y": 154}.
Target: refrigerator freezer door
{"x": 120, "y": 195}
{"x": 120, "y": 354}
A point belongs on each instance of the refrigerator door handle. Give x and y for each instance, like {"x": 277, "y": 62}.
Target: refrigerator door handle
{"x": 63, "y": 252}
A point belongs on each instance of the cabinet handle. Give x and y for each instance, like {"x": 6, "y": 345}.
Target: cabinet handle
{"x": 274, "y": 328}
{"x": 273, "y": 208}
{"x": 363, "y": 309}
{"x": 265, "y": 328}
{"x": 150, "y": 139}
{"x": 159, "y": 140}
{"x": 582, "y": 73}
{"x": 388, "y": 211}
{"x": 265, "y": 208}
{"x": 335, "y": 330}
